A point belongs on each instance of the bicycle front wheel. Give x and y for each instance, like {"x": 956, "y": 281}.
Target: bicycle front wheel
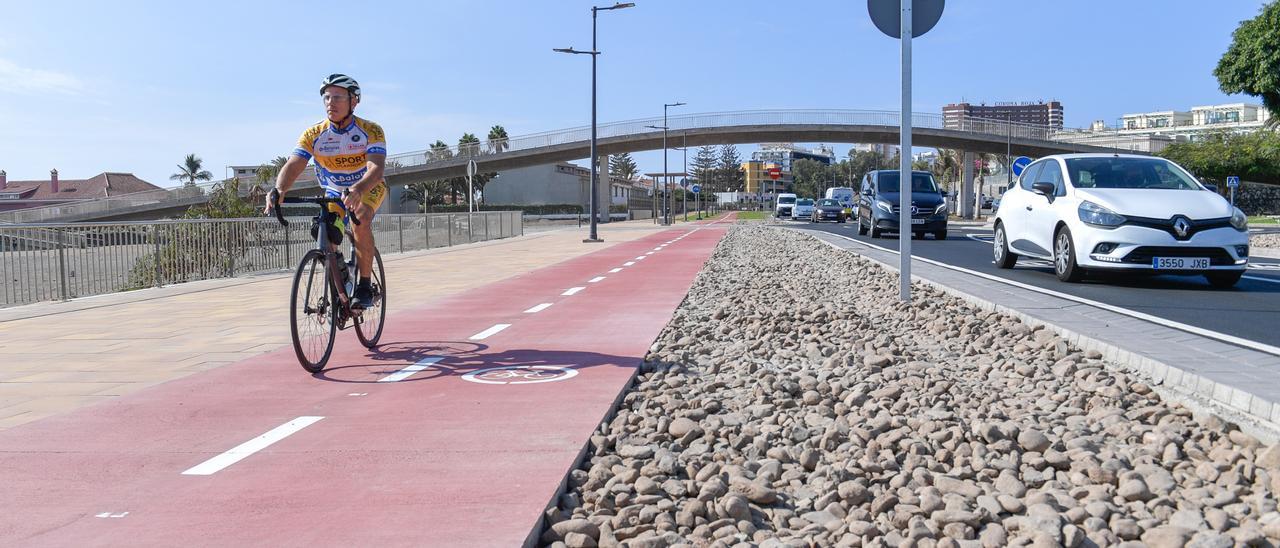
{"x": 314, "y": 312}
{"x": 369, "y": 321}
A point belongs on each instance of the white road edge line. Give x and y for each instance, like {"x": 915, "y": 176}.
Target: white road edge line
{"x": 490, "y": 332}
{"x": 1222, "y": 337}
{"x": 571, "y": 291}
{"x": 616, "y": 270}
{"x": 538, "y": 308}
{"x": 242, "y": 451}
{"x": 409, "y": 371}
{"x": 595, "y": 279}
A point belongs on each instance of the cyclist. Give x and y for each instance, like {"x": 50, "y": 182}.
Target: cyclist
{"x": 350, "y": 154}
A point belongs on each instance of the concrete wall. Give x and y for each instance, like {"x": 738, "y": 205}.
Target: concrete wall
{"x": 537, "y": 185}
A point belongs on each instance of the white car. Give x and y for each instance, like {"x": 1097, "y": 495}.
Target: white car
{"x": 803, "y": 209}
{"x": 1120, "y": 212}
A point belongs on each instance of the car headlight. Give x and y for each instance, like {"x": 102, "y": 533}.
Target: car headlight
{"x": 884, "y": 206}
{"x": 941, "y": 207}
{"x": 1097, "y": 215}
{"x": 1239, "y": 221}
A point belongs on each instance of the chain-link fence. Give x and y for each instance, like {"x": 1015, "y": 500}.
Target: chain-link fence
{"x": 41, "y": 262}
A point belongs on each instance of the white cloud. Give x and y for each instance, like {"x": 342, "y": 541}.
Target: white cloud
{"x": 30, "y": 81}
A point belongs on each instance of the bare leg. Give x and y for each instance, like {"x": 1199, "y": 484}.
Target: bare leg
{"x": 363, "y": 235}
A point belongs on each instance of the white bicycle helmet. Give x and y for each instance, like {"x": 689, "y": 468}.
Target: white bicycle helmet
{"x": 342, "y": 81}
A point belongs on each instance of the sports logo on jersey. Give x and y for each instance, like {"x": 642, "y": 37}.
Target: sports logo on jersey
{"x": 355, "y": 138}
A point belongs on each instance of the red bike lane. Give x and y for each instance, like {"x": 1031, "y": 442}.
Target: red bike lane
{"x": 397, "y": 446}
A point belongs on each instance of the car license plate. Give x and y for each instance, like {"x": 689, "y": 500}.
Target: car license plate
{"x": 917, "y": 221}
{"x": 1179, "y": 263}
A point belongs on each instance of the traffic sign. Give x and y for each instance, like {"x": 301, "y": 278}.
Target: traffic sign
{"x": 1020, "y": 163}
{"x": 471, "y": 168}
{"x": 1233, "y": 182}
{"x": 887, "y": 15}
{"x": 775, "y": 173}
{"x": 696, "y": 188}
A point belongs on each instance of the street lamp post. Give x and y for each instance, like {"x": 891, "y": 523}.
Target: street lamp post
{"x": 595, "y": 169}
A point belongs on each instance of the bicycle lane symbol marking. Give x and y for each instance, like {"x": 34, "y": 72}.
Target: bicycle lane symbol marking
{"x": 521, "y": 374}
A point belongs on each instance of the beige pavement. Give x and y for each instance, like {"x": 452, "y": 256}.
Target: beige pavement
{"x": 56, "y": 357}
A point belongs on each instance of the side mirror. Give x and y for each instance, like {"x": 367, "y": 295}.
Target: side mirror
{"x": 1044, "y": 189}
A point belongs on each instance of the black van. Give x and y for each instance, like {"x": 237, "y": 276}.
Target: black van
{"x": 878, "y": 205}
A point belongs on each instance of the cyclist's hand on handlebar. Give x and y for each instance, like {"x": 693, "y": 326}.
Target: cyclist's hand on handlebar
{"x": 273, "y": 201}
{"x": 351, "y": 200}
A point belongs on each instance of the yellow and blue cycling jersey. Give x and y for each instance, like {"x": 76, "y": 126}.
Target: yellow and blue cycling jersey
{"x": 341, "y": 154}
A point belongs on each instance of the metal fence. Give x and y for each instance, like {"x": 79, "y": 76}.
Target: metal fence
{"x": 42, "y": 262}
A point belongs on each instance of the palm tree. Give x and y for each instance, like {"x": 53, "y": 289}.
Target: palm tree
{"x": 947, "y": 164}
{"x": 425, "y": 193}
{"x": 468, "y": 145}
{"x": 498, "y": 140}
{"x": 439, "y": 151}
{"x": 191, "y": 172}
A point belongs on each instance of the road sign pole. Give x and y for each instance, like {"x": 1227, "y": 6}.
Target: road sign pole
{"x": 904, "y": 160}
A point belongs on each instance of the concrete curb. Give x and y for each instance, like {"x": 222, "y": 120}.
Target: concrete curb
{"x": 1254, "y": 413}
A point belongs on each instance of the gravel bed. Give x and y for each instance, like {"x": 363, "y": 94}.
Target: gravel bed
{"x": 1264, "y": 240}
{"x": 793, "y": 401}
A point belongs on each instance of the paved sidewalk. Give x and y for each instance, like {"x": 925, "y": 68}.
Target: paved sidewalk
{"x": 1239, "y": 383}
{"x": 65, "y": 355}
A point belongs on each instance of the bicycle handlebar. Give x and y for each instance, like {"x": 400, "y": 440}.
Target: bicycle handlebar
{"x": 322, "y": 201}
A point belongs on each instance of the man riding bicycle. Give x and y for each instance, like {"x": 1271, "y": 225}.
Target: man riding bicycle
{"x": 350, "y": 154}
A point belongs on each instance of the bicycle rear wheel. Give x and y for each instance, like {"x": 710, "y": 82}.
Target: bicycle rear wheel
{"x": 313, "y": 311}
{"x": 369, "y": 321}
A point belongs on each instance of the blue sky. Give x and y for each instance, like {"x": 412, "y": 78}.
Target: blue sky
{"x": 134, "y": 86}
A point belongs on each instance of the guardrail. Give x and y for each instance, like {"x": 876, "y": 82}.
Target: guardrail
{"x": 47, "y": 261}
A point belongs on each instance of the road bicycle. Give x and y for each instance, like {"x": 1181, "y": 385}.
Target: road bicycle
{"x": 323, "y": 284}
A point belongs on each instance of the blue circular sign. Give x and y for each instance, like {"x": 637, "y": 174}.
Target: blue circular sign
{"x": 696, "y": 189}
{"x": 1020, "y": 163}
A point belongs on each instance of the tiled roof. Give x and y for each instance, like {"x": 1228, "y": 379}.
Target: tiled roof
{"x": 101, "y": 186}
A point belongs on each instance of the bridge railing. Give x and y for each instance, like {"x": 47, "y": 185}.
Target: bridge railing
{"x": 59, "y": 261}
{"x": 675, "y": 124}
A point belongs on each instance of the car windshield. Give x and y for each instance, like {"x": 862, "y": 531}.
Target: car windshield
{"x": 787, "y": 200}
{"x": 804, "y": 202}
{"x": 1118, "y": 172}
{"x": 920, "y": 182}
{"x": 828, "y": 202}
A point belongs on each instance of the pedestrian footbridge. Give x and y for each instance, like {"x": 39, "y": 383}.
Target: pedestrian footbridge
{"x": 716, "y": 128}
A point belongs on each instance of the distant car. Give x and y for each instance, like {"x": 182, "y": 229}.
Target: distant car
{"x": 803, "y": 210}
{"x": 878, "y": 207}
{"x": 988, "y": 202}
{"x": 786, "y": 202}
{"x": 995, "y": 204}
{"x": 828, "y": 209}
{"x": 1120, "y": 212}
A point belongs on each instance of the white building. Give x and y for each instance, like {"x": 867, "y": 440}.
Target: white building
{"x": 885, "y": 149}
{"x": 1191, "y": 125}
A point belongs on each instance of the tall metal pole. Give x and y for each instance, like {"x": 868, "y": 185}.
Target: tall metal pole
{"x": 595, "y": 169}
{"x": 1008, "y": 152}
{"x": 666, "y": 178}
{"x": 684, "y": 192}
{"x": 904, "y": 162}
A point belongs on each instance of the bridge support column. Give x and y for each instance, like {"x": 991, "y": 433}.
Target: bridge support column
{"x": 964, "y": 201}
{"x": 604, "y": 198}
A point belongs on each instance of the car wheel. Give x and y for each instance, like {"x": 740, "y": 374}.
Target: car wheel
{"x": 875, "y": 231}
{"x": 842, "y": 220}
{"x": 940, "y": 235}
{"x": 1064, "y": 257}
{"x": 1003, "y": 257}
{"x": 862, "y": 229}
{"x": 1224, "y": 279}
{"x": 918, "y": 235}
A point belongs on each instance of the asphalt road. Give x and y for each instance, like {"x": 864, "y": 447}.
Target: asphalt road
{"x": 1250, "y": 310}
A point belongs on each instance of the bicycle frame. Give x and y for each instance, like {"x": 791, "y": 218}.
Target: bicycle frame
{"x": 330, "y": 249}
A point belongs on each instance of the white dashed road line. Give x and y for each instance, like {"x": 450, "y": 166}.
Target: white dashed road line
{"x": 538, "y": 308}
{"x": 409, "y": 371}
{"x": 490, "y": 332}
{"x": 616, "y": 270}
{"x": 244, "y": 450}
{"x": 595, "y": 279}
{"x": 628, "y": 263}
{"x": 571, "y": 291}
